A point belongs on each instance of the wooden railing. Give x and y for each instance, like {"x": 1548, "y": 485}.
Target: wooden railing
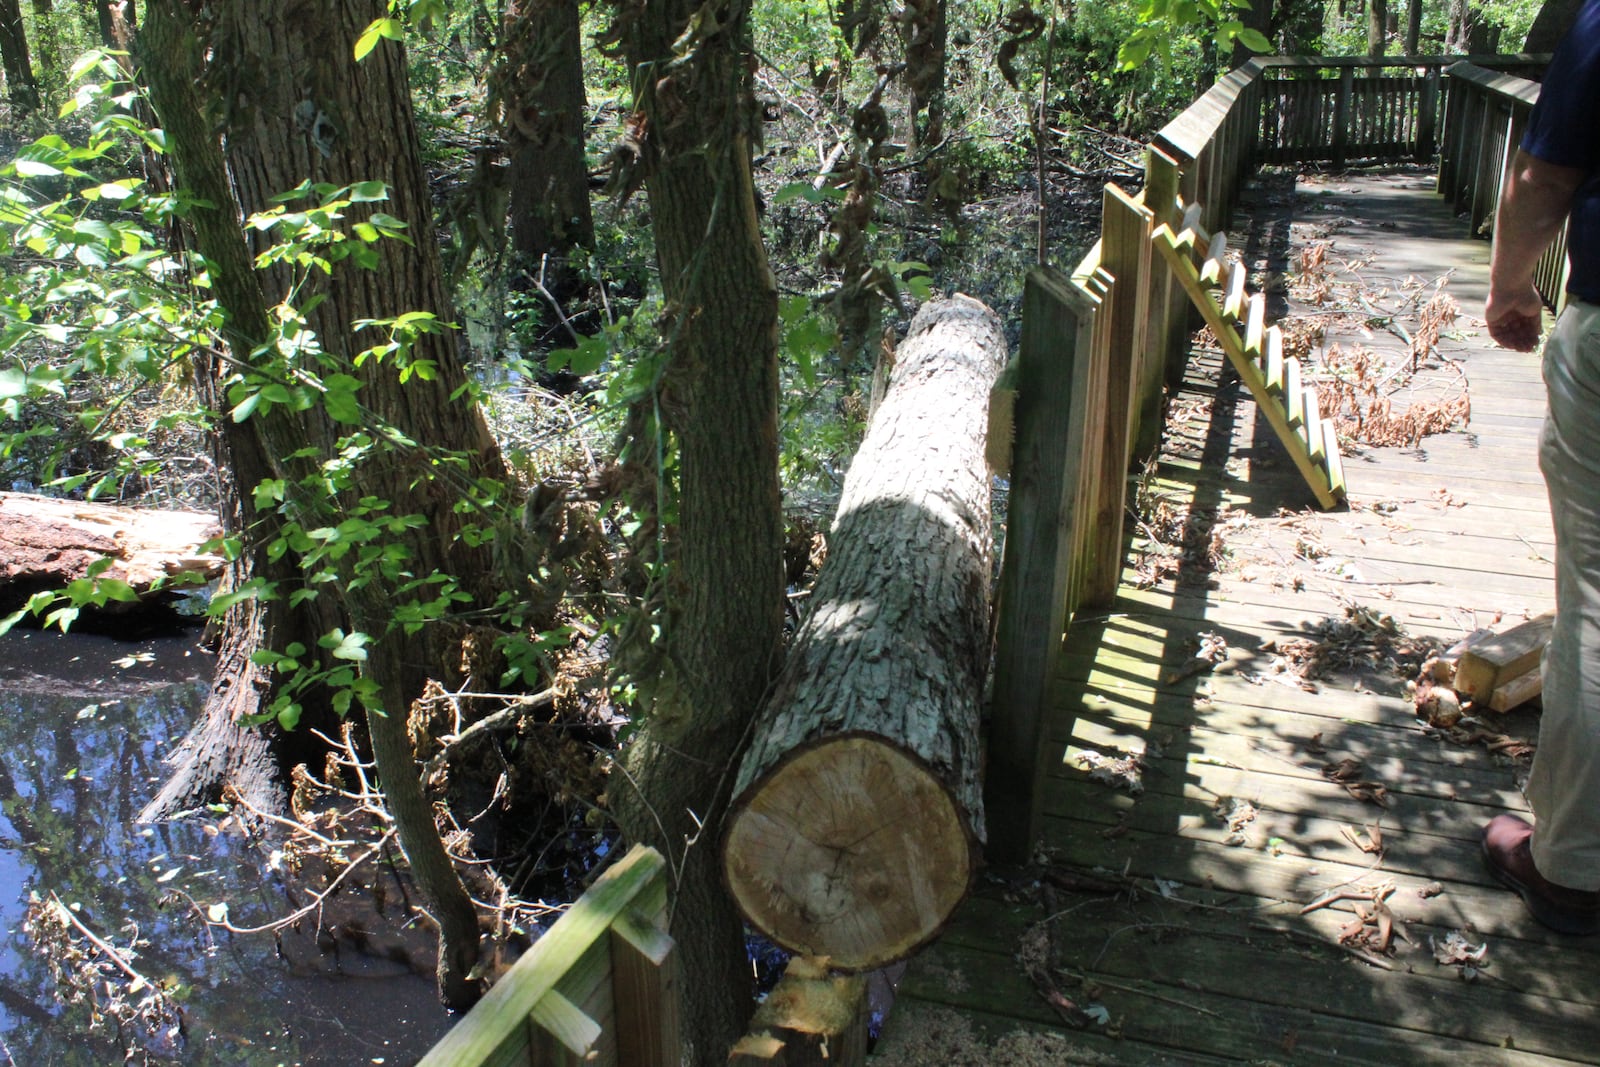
{"x": 1487, "y": 113}
{"x": 1100, "y": 346}
{"x": 600, "y": 987}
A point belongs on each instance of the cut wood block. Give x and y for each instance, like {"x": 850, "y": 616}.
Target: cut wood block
{"x": 1500, "y": 658}
{"x": 1233, "y": 303}
{"x": 1272, "y": 361}
{"x": 1518, "y": 691}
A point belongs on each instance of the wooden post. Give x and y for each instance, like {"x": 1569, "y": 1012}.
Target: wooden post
{"x": 1125, "y": 252}
{"x": 1341, "y": 115}
{"x": 1167, "y": 304}
{"x": 644, "y": 965}
{"x": 1057, "y": 324}
{"x": 1427, "y": 118}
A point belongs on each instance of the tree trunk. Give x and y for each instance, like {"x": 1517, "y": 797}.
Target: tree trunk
{"x": 1258, "y": 17}
{"x": 926, "y": 32}
{"x": 859, "y": 797}
{"x": 1377, "y": 27}
{"x": 300, "y": 107}
{"x": 719, "y": 397}
{"x": 538, "y": 99}
{"x": 1413, "y": 40}
{"x": 21, "y": 87}
{"x": 1550, "y": 25}
{"x": 1469, "y": 32}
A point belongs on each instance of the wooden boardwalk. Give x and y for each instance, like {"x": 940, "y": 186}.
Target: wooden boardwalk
{"x": 1163, "y": 923}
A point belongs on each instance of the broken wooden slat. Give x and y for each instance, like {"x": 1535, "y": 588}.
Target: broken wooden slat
{"x": 1212, "y": 270}
{"x": 1191, "y": 223}
{"x": 1312, "y": 429}
{"x": 1272, "y": 361}
{"x": 1293, "y": 394}
{"x": 1233, "y": 303}
{"x": 1333, "y": 461}
{"x": 1176, "y": 251}
{"x": 1498, "y": 658}
{"x": 1255, "y": 325}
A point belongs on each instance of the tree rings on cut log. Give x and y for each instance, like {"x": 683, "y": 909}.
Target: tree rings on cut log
{"x": 852, "y": 850}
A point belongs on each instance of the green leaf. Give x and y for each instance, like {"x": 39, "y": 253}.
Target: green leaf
{"x": 33, "y": 168}
{"x": 1254, "y": 40}
{"x": 367, "y": 192}
{"x": 352, "y": 647}
{"x": 376, "y": 31}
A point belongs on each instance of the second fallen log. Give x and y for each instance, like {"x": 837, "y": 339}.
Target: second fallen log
{"x": 858, "y": 803}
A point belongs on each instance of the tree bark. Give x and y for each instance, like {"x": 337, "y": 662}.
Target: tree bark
{"x": 926, "y": 32}
{"x": 1469, "y": 32}
{"x": 719, "y": 398}
{"x": 1413, "y": 39}
{"x": 859, "y": 797}
{"x": 538, "y": 99}
{"x": 1377, "y": 27}
{"x": 297, "y": 107}
{"x": 21, "y": 87}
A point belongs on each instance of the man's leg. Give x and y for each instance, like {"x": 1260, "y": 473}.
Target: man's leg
{"x": 1564, "y": 787}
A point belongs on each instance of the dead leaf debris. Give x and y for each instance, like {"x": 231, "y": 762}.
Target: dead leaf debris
{"x": 1455, "y": 950}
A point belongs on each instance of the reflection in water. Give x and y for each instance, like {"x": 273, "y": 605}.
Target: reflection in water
{"x": 83, "y": 723}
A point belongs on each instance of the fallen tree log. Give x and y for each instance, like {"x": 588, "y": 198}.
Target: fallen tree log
{"x": 858, "y": 802}
{"x": 47, "y": 542}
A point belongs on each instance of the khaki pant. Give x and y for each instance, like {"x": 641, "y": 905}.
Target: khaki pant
{"x": 1564, "y": 787}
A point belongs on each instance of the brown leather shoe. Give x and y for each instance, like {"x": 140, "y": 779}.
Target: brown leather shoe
{"x": 1506, "y": 850}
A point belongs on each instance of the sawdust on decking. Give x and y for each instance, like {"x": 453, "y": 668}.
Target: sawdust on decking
{"x": 1253, "y": 850}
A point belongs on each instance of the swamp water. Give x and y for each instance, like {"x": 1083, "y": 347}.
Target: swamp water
{"x": 84, "y": 721}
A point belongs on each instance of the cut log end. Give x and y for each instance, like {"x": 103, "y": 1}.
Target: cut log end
{"x": 851, "y": 849}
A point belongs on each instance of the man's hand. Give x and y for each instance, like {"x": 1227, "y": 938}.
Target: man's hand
{"x": 1515, "y": 318}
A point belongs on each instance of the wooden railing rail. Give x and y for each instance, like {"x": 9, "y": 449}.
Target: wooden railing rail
{"x": 1099, "y": 347}
{"x": 1484, "y": 122}
{"x": 598, "y": 988}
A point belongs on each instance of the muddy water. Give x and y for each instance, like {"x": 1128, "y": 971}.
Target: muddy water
{"x": 83, "y": 723}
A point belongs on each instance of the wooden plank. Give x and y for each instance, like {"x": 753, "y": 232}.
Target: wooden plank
{"x": 1496, "y": 659}
{"x": 1033, "y": 608}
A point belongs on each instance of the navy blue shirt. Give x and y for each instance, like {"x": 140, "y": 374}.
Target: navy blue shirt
{"x": 1565, "y": 130}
